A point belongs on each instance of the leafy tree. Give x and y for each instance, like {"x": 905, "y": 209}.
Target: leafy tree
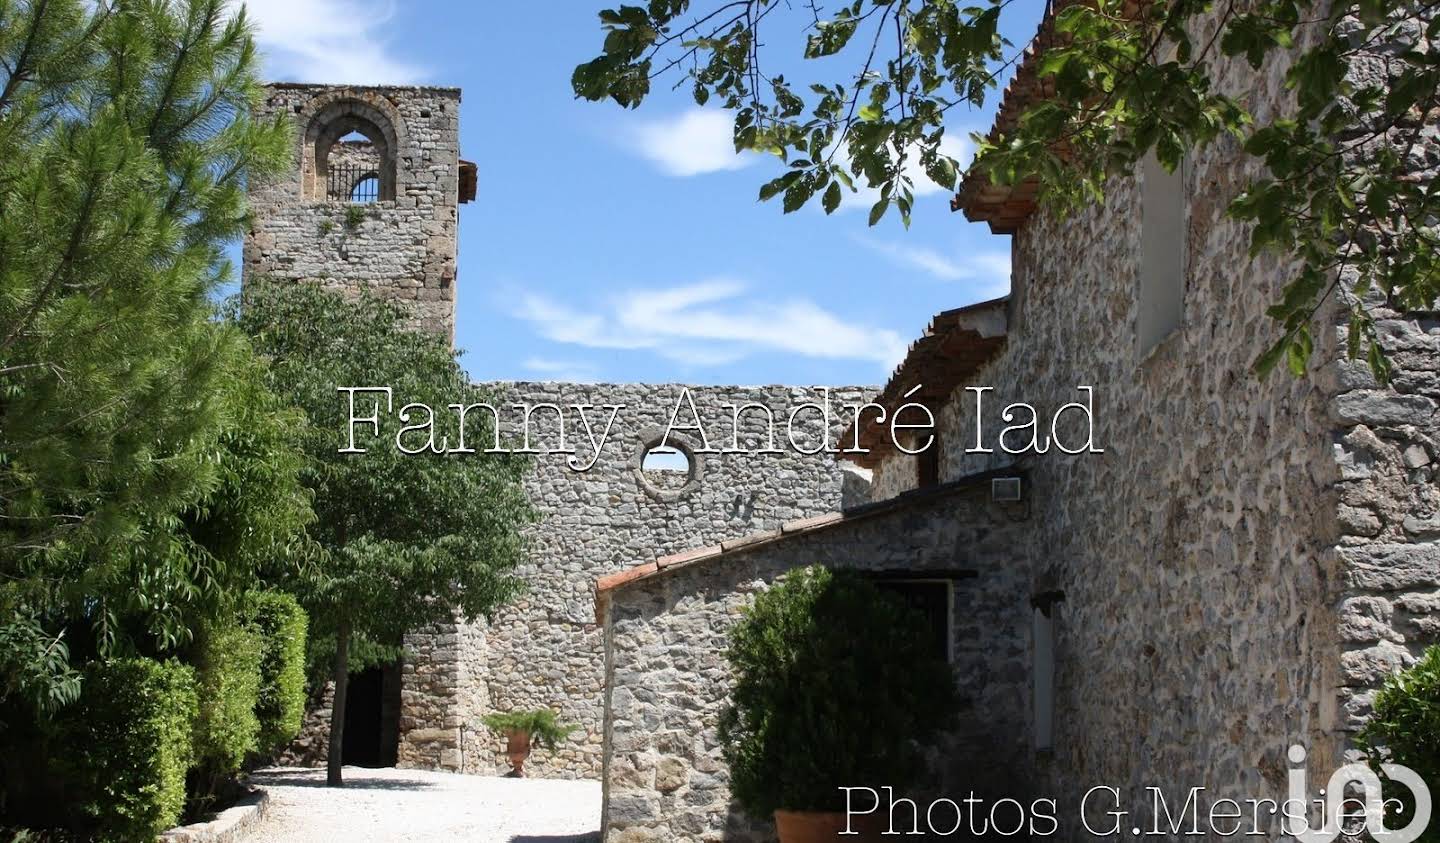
{"x": 1129, "y": 79}
{"x": 146, "y": 474}
{"x": 404, "y": 540}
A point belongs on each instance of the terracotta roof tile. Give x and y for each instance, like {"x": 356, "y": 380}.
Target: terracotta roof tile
{"x": 693, "y": 555}
{"x": 801, "y": 525}
{"x": 745, "y": 541}
{"x": 604, "y": 586}
{"x": 612, "y": 581}
{"x": 954, "y": 346}
{"x": 1005, "y": 207}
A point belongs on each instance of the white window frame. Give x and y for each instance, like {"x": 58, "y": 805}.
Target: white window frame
{"x": 1164, "y": 242}
{"x": 1042, "y": 659}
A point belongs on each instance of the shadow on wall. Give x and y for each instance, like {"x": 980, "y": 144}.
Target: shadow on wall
{"x": 741, "y": 828}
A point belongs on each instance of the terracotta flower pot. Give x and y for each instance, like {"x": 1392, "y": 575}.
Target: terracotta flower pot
{"x": 517, "y": 749}
{"x": 826, "y": 827}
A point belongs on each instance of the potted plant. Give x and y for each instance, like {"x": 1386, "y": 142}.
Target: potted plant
{"x": 834, "y": 687}
{"x": 526, "y": 730}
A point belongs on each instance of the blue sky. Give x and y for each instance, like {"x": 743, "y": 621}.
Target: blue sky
{"x": 611, "y": 245}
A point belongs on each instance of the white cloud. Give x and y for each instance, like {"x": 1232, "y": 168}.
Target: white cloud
{"x": 990, "y": 269}
{"x": 691, "y": 143}
{"x": 568, "y": 371}
{"x": 710, "y": 323}
{"x": 329, "y": 41}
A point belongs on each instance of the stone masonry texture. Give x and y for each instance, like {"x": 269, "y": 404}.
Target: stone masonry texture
{"x": 666, "y": 635}
{"x": 400, "y": 248}
{"x": 1249, "y": 558}
{"x": 1240, "y": 569}
{"x": 545, "y": 650}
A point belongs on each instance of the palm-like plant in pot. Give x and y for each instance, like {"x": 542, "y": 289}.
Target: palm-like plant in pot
{"x": 526, "y": 730}
{"x": 834, "y": 687}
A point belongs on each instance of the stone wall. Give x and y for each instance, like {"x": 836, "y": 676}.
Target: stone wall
{"x": 312, "y": 744}
{"x": 1388, "y": 447}
{"x": 545, "y": 650}
{"x": 1249, "y": 557}
{"x": 401, "y": 248}
{"x": 666, "y": 635}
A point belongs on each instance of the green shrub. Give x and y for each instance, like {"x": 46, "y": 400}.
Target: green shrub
{"x": 834, "y": 686}
{"x": 130, "y": 741}
{"x": 282, "y": 625}
{"x": 541, "y": 724}
{"x": 1404, "y": 728}
{"x": 228, "y": 678}
{"x": 354, "y": 215}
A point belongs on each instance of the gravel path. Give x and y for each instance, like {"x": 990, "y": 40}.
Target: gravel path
{"x": 400, "y": 806}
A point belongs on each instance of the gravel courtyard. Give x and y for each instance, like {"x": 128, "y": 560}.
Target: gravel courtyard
{"x": 399, "y": 806}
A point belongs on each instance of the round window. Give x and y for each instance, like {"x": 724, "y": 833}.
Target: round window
{"x": 667, "y": 467}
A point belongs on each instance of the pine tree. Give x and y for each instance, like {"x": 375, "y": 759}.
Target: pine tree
{"x": 145, "y": 470}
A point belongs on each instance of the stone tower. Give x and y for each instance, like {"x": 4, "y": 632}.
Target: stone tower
{"x": 370, "y": 204}
{"x": 371, "y": 201}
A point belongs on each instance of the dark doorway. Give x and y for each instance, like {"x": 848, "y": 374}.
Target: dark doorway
{"x": 372, "y": 717}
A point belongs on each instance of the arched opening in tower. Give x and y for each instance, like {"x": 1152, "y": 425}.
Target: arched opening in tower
{"x": 352, "y": 149}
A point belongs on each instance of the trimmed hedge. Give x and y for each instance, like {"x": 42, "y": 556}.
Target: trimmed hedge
{"x": 131, "y": 735}
{"x": 229, "y": 683}
{"x": 834, "y": 685}
{"x": 282, "y": 626}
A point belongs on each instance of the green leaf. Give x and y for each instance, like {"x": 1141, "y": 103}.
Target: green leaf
{"x": 942, "y": 171}
{"x": 829, "y": 38}
{"x": 798, "y": 193}
{"x": 1267, "y": 361}
{"x": 1297, "y": 354}
{"x": 776, "y": 185}
{"x": 878, "y": 210}
{"x": 831, "y": 200}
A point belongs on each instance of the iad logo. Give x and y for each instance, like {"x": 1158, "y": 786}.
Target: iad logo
{"x": 1361, "y": 809}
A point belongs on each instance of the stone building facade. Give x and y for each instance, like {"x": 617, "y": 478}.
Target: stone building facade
{"x": 545, "y": 650}
{"x": 667, "y": 625}
{"x": 1235, "y": 574}
{"x": 371, "y": 205}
